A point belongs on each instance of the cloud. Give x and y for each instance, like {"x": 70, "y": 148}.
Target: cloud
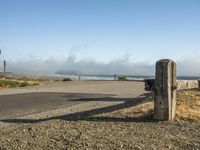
{"x": 188, "y": 66}
{"x": 86, "y": 66}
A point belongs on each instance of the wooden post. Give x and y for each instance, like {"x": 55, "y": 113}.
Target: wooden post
{"x": 115, "y": 77}
{"x": 165, "y": 90}
{"x": 199, "y": 84}
{"x": 4, "y": 70}
{"x": 79, "y": 78}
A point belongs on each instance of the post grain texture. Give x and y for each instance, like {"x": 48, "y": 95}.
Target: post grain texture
{"x": 165, "y": 90}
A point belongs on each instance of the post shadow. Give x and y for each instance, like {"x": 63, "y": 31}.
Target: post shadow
{"x": 89, "y": 115}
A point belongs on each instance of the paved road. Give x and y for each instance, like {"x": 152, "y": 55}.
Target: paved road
{"x": 20, "y": 102}
{"x": 23, "y": 104}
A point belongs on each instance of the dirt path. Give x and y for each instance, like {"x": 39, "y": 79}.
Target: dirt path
{"x": 3, "y": 88}
{"x": 119, "y": 88}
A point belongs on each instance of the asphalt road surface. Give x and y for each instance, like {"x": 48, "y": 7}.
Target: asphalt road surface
{"x": 24, "y": 101}
{"x": 23, "y": 104}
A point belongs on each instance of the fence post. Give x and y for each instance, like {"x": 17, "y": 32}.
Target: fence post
{"x": 165, "y": 90}
{"x": 199, "y": 84}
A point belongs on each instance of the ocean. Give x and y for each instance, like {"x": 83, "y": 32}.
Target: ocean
{"x": 111, "y": 77}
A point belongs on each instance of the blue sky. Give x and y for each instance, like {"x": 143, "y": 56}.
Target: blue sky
{"x": 103, "y": 31}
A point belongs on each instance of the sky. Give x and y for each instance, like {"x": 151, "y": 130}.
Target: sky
{"x": 99, "y": 36}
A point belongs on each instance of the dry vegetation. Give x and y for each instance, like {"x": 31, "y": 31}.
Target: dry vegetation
{"x": 188, "y": 105}
{"x": 128, "y": 128}
{"x": 188, "y": 108}
{"x": 23, "y": 81}
{"x": 8, "y": 83}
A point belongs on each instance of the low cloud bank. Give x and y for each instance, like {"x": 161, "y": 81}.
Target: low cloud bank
{"x": 89, "y": 66}
{"x": 187, "y": 67}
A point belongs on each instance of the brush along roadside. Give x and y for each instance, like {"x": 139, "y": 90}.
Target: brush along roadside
{"x": 188, "y": 105}
{"x": 16, "y": 83}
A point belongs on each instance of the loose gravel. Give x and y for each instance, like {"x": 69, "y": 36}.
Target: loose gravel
{"x": 101, "y": 125}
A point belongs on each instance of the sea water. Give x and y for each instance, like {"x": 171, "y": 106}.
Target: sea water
{"x": 111, "y": 77}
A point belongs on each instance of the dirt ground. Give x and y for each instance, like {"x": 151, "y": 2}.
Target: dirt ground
{"x": 107, "y": 124}
{"x": 3, "y": 88}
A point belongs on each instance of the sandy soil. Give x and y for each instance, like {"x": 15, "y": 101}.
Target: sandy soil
{"x": 123, "y": 121}
{"x": 3, "y": 88}
{"x": 119, "y": 88}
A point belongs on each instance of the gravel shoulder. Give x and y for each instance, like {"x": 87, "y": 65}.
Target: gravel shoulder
{"x": 121, "y": 121}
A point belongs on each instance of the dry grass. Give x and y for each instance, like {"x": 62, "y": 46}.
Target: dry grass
{"x": 188, "y": 108}
{"x": 188, "y": 105}
{"x": 8, "y": 83}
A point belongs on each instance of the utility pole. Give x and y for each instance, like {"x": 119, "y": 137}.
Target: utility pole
{"x": 0, "y": 51}
{"x": 4, "y": 69}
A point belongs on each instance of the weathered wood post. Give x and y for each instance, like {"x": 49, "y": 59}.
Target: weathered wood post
{"x": 165, "y": 90}
{"x": 199, "y": 84}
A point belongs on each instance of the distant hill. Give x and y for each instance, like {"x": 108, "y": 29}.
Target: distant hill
{"x": 67, "y": 72}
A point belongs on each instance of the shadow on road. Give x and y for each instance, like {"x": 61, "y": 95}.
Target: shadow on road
{"x": 16, "y": 105}
{"x": 89, "y": 115}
